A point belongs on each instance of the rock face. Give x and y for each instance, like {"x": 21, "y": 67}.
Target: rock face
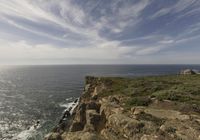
{"x": 100, "y": 117}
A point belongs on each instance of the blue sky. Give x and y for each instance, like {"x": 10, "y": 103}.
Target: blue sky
{"x": 99, "y": 32}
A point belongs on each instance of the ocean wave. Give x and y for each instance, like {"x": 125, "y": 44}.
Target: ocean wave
{"x": 70, "y": 106}
{"x": 35, "y": 132}
{"x": 19, "y": 96}
{"x": 29, "y": 135}
{"x": 38, "y": 131}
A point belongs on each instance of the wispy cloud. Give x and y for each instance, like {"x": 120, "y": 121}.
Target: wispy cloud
{"x": 186, "y": 6}
{"x": 97, "y": 30}
{"x": 21, "y": 51}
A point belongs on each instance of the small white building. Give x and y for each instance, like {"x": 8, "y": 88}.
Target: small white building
{"x": 188, "y": 72}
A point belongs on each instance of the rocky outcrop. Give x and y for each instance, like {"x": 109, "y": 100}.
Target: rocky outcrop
{"x": 100, "y": 117}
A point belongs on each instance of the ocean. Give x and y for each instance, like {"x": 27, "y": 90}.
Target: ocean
{"x": 41, "y": 93}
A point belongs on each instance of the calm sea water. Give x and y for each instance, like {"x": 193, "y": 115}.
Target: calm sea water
{"x": 31, "y": 93}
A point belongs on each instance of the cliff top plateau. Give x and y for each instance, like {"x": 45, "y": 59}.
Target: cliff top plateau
{"x": 146, "y": 108}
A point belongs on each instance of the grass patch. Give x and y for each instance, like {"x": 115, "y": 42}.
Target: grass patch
{"x": 178, "y": 88}
{"x": 139, "y": 101}
{"x": 172, "y": 95}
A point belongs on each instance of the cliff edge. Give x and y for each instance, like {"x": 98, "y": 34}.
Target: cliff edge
{"x": 150, "y": 108}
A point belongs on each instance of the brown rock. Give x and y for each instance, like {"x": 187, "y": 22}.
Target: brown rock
{"x": 92, "y": 120}
{"x": 93, "y": 105}
{"x": 80, "y": 113}
{"x": 79, "y": 119}
{"x": 137, "y": 110}
{"x": 124, "y": 124}
{"x": 76, "y": 126}
{"x": 108, "y": 108}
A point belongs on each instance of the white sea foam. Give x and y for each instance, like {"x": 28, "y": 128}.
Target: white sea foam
{"x": 38, "y": 132}
{"x": 35, "y": 132}
{"x": 30, "y": 134}
{"x": 69, "y": 105}
{"x": 69, "y": 99}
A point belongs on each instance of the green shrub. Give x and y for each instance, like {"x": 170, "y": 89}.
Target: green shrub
{"x": 166, "y": 95}
{"x": 139, "y": 101}
{"x": 172, "y": 95}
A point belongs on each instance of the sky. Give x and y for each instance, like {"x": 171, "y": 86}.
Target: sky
{"x": 100, "y": 32}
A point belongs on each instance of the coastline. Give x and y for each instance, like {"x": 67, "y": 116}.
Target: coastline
{"x": 139, "y": 109}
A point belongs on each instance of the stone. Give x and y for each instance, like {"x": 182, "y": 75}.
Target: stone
{"x": 163, "y": 127}
{"x": 137, "y": 110}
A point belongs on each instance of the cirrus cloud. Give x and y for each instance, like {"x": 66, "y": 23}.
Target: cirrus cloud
{"x": 99, "y": 31}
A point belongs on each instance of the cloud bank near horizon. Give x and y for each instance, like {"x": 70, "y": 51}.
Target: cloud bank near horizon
{"x": 99, "y": 31}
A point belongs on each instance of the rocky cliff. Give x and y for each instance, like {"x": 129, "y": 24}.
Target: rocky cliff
{"x": 151, "y": 108}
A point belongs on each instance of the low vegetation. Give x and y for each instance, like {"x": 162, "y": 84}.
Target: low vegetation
{"x": 139, "y": 101}
{"x": 159, "y": 107}
{"x": 140, "y": 91}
